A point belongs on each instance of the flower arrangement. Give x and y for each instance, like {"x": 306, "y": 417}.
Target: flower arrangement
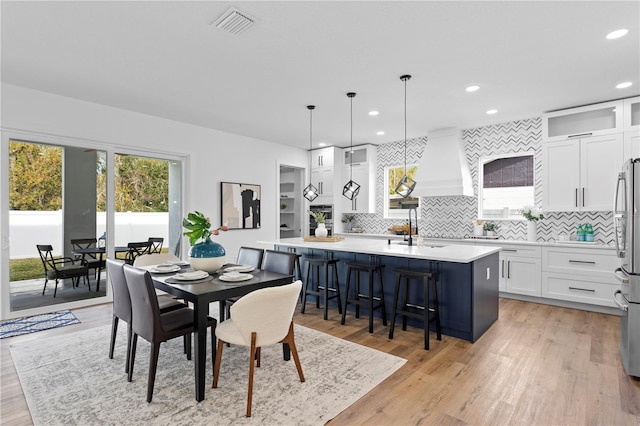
{"x": 318, "y": 216}
{"x": 199, "y": 227}
{"x": 532, "y": 213}
{"x": 490, "y": 226}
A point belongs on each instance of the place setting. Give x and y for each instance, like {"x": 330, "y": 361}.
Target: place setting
{"x": 190, "y": 277}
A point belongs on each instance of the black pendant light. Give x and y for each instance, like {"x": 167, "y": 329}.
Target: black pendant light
{"x": 406, "y": 184}
{"x": 310, "y": 192}
{"x": 351, "y": 189}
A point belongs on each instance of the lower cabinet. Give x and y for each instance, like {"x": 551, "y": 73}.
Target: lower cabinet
{"x": 520, "y": 269}
{"x": 579, "y": 275}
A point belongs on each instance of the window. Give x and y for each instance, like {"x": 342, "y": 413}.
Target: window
{"x": 505, "y": 185}
{"x": 394, "y": 205}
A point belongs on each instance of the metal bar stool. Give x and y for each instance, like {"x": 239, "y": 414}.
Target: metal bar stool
{"x": 321, "y": 290}
{"x": 367, "y": 300}
{"x": 424, "y": 312}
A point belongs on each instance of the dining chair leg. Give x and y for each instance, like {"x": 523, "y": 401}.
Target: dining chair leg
{"x": 252, "y": 355}
{"x": 129, "y": 337}
{"x": 153, "y": 365}
{"x": 132, "y": 360}
{"x": 187, "y": 343}
{"x": 289, "y": 339}
{"x": 114, "y": 330}
{"x": 216, "y": 364}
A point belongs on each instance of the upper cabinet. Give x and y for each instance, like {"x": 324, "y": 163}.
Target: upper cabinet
{"x": 325, "y": 162}
{"x": 592, "y": 120}
{"x": 360, "y": 164}
{"x": 631, "y": 112}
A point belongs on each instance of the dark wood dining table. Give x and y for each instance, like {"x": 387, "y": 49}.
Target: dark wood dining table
{"x": 99, "y": 252}
{"x": 201, "y": 294}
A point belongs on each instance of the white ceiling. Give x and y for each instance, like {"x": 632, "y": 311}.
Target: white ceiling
{"x": 165, "y": 59}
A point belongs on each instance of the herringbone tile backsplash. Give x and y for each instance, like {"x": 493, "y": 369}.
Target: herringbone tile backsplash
{"x": 451, "y": 217}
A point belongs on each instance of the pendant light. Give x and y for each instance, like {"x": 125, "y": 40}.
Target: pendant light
{"x": 351, "y": 189}
{"x": 406, "y": 184}
{"x": 310, "y": 192}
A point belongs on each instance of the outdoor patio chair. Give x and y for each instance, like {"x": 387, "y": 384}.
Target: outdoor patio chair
{"x": 59, "y": 268}
{"x": 136, "y": 249}
{"x": 93, "y": 262}
{"x": 155, "y": 245}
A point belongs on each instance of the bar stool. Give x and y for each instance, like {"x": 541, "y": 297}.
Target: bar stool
{"x": 298, "y": 269}
{"x": 321, "y": 290}
{"x": 403, "y": 277}
{"x": 368, "y": 299}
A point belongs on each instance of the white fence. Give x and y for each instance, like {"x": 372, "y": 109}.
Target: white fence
{"x": 28, "y": 228}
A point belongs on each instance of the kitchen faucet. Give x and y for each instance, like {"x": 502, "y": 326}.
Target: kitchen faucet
{"x": 410, "y": 240}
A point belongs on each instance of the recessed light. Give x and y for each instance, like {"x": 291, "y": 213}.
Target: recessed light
{"x": 623, "y": 85}
{"x": 373, "y": 113}
{"x": 492, "y": 111}
{"x": 379, "y": 133}
{"x": 617, "y": 34}
{"x": 472, "y": 88}
{"x": 322, "y": 144}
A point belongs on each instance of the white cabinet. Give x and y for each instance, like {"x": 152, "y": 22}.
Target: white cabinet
{"x": 520, "y": 270}
{"x": 591, "y": 120}
{"x": 631, "y": 112}
{"x": 579, "y": 275}
{"x": 324, "y": 164}
{"x": 290, "y": 204}
{"x": 580, "y": 174}
{"x": 632, "y": 144}
{"x": 363, "y": 161}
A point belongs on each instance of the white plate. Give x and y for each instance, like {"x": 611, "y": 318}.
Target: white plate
{"x": 240, "y": 268}
{"x": 191, "y": 276}
{"x": 235, "y": 278}
{"x": 177, "y": 262}
{"x": 164, "y": 269}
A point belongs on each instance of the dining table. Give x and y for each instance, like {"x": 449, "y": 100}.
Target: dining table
{"x": 99, "y": 252}
{"x": 200, "y": 293}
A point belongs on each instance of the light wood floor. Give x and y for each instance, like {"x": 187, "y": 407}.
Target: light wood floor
{"x": 537, "y": 365}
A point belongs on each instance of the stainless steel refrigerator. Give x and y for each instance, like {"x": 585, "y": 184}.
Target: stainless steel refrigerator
{"x": 626, "y": 219}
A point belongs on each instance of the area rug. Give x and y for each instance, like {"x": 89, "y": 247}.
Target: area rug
{"x": 70, "y": 380}
{"x": 26, "y": 325}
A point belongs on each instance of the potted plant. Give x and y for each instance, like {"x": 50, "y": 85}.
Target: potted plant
{"x": 349, "y": 219}
{"x": 319, "y": 217}
{"x": 533, "y": 214}
{"x": 283, "y": 206}
{"x": 490, "y": 228}
{"x": 204, "y": 254}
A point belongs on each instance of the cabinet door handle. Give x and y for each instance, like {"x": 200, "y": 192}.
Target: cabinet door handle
{"x": 579, "y": 135}
{"x": 590, "y": 262}
{"x": 576, "y": 197}
{"x": 508, "y": 269}
{"x": 590, "y": 290}
{"x": 502, "y": 273}
{"x": 583, "y": 196}
{"x": 510, "y": 250}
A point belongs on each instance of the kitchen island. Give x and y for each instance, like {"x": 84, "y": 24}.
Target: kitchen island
{"x": 468, "y": 285}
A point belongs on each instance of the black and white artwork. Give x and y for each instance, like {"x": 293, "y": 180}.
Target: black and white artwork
{"x": 240, "y": 205}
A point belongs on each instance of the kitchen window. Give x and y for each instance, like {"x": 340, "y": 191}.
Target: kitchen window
{"x": 396, "y": 207}
{"x": 505, "y": 185}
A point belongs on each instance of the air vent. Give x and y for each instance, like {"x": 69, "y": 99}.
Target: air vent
{"x": 234, "y": 21}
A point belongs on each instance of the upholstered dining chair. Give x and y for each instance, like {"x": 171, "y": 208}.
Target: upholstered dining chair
{"x": 122, "y": 306}
{"x": 154, "y": 259}
{"x": 246, "y": 256}
{"x": 58, "y": 268}
{"x": 261, "y": 318}
{"x": 155, "y": 327}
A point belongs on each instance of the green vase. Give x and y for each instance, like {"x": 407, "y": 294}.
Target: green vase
{"x": 207, "y": 256}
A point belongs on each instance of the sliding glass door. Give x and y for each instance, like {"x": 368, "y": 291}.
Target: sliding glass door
{"x": 60, "y": 193}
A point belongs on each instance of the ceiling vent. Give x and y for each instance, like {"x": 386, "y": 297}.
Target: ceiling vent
{"x": 234, "y": 21}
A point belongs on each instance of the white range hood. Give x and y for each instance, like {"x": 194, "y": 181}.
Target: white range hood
{"x": 443, "y": 169}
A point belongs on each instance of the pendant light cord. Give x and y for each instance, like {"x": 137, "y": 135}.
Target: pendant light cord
{"x": 405, "y": 126}
{"x": 351, "y": 153}
{"x": 310, "y": 108}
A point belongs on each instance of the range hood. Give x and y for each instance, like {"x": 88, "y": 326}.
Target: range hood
{"x": 443, "y": 169}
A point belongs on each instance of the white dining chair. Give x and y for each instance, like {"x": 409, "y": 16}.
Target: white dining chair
{"x": 154, "y": 259}
{"x": 261, "y": 318}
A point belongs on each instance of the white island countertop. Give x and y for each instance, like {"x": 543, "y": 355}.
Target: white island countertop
{"x": 443, "y": 252}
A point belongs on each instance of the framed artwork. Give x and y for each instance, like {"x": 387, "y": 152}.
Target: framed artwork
{"x": 240, "y": 207}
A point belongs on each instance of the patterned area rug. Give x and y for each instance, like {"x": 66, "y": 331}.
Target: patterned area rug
{"x": 71, "y": 381}
{"x": 26, "y": 325}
